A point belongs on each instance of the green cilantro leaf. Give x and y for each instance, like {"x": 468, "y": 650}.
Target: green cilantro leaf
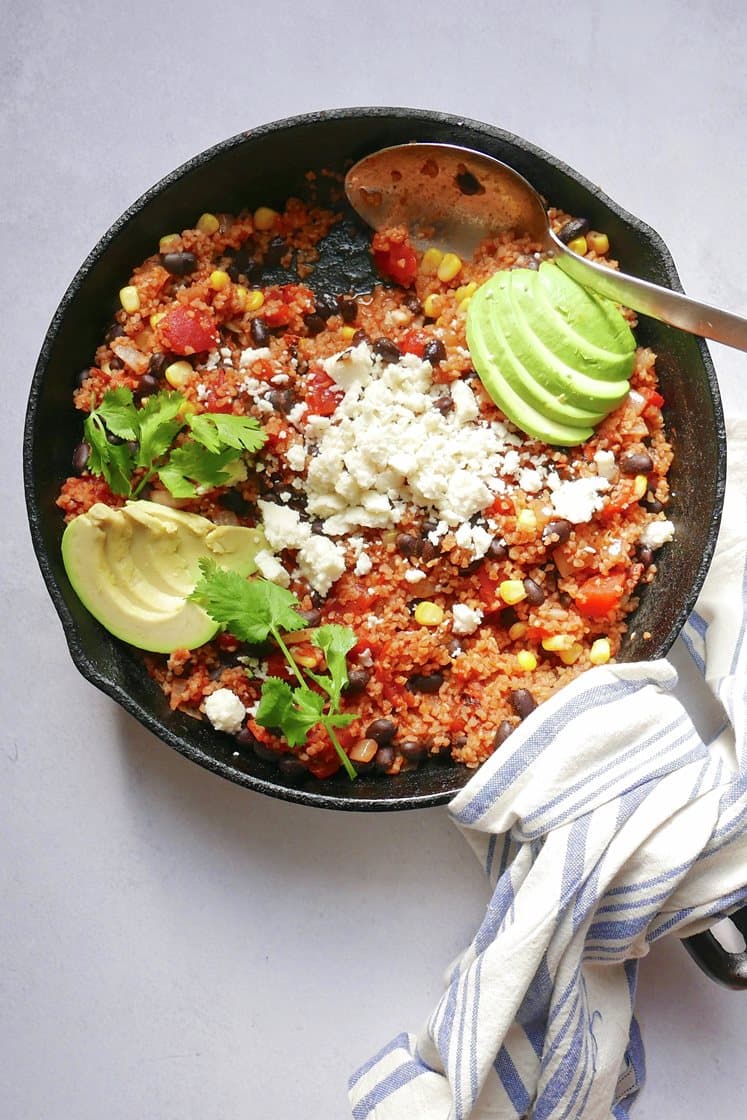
{"x": 119, "y": 413}
{"x": 215, "y": 430}
{"x": 192, "y": 463}
{"x": 158, "y": 424}
{"x": 294, "y": 711}
{"x": 250, "y": 609}
{"x": 114, "y": 461}
{"x": 334, "y": 642}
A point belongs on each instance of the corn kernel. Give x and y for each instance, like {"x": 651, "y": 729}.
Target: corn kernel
{"x": 600, "y": 652}
{"x": 219, "y": 280}
{"x": 465, "y": 291}
{"x": 450, "y": 266}
{"x": 571, "y": 656}
{"x": 599, "y": 242}
{"x": 557, "y": 642}
{"x": 526, "y": 660}
{"x": 429, "y": 614}
{"x": 640, "y": 486}
{"x": 518, "y": 630}
{"x": 432, "y": 306}
{"x": 264, "y": 218}
{"x": 579, "y": 245}
{"x": 167, "y": 242}
{"x": 155, "y": 318}
{"x": 347, "y": 332}
{"x": 306, "y": 660}
{"x": 431, "y": 260}
{"x": 208, "y": 223}
{"x": 240, "y": 294}
{"x": 178, "y": 374}
{"x": 129, "y": 297}
{"x": 512, "y": 591}
{"x": 527, "y": 521}
{"x": 254, "y": 300}
{"x": 464, "y": 303}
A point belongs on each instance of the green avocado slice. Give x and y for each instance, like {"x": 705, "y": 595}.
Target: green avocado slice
{"x": 133, "y": 568}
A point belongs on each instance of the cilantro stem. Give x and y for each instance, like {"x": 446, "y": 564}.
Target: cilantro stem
{"x": 287, "y": 654}
{"x": 349, "y": 768}
{"x": 142, "y": 483}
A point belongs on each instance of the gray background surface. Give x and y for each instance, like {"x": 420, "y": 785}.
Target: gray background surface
{"x": 172, "y": 946}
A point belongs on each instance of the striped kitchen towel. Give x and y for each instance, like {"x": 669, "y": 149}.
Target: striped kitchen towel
{"x": 603, "y": 823}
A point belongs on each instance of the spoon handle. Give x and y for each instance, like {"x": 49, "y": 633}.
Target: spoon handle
{"x": 650, "y": 299}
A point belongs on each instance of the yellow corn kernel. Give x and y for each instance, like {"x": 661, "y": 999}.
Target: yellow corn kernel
{"x": 306, "y": 660}
{"x": 600, "y": 652}
{"x": 557, "y": 642}
{"x": 526, "y": 660}
{"x": 527, "y": 521}
{"x": 640, "y": 486}
{"x": 571, "y": 656}
{"x": 155, "y": 318}
{"x": 429, "y": 614}
{"x": 432, "y": 306}
{"x": 579, "y": 245}
{"x": 450, "y": 266}
{"x": 518, "y": 630}
{"x": 219, "y": 280}
{"x": 264, "y": 218}
{"x": 464, "y": 303}
{"x": 431, "y": 260}
{"x": 347, "y": 332}
{"x": 254, "y": 300}
{"x": 129, "y": 297}
{"x": 465, "y": 291}
{"x": 240, "y": 294}
{"x": 167, "y": 242}
{"x": 599, "y": 242}
{"x": 512, "y": 591}
{"x": 208, "y": 223}
{"x": 178, "y": 374}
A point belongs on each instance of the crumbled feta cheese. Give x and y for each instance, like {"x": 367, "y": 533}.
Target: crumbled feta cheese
{"x": 365, "y": 658}
{"x": 465, "y": 402}
{"x": 247, "y": 357}
{"x": 270, "y": 568}
{"x": 283, "y": 526}
{"x": 295, "y": 457}
{"x": 225, "y": 711}
{"x": 657, "y": 533}
{"x": 363, "y": 564}
{"x": 606, "y": 466}
{"x": 579, "y": 500}
{"x": 414, "y": 575}
{"x": 321, "y": 562}
{"x": 530, "y": 480}
{"x": 466, "y": 619}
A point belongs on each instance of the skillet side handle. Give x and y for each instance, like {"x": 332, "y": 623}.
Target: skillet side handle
{"x": 729, "y": 969}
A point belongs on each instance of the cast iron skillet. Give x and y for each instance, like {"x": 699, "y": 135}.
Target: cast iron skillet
{"x": 265, "y": 166}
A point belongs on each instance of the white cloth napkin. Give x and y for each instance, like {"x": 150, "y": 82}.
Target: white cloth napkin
{"x": 603, "y": 823}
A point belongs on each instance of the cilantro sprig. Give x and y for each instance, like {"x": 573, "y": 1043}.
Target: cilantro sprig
{"x": 211, "y": 442}
{"x": 253, "y": 610}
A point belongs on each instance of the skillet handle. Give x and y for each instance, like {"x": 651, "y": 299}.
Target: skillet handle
{"x": 729, "y": 969}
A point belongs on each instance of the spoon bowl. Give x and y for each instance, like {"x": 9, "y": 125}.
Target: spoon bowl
{"x": 454, "y": 198}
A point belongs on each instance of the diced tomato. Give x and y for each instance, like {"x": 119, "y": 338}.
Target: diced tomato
{"x": 501, "y": 506}
{"x": 652, "y": 397}
{"x": 399, "y": 263}
{"x": 187, "y": 330}
{"x": 322, "y": 395}
{"x": 600, "y": 595}
{"x": 489, "y": 596}
{"x": 413, "y": 342}
{"x": 277, "y": 666}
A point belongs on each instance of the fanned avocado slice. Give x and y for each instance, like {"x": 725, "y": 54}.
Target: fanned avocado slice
{"x": 134, "y": 568}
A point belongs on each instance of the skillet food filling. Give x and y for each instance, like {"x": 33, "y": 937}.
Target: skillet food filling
{"x": 364, "y": 529}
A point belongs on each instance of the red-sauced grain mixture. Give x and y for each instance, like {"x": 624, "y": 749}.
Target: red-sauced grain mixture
{"x": 465, "y": 618}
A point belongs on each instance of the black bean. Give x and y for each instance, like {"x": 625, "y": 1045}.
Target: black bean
{"x": 382, "y": 731}
{"x": 116, "y": 363}
{"x": 383, "y": 759}
{"x": 508, "y": 617}
{"x": 522, "y": 702}
{"x": 472, "y": 567}
{"x": 115, "y": 441}
{"x": 348, "y": 309}
{"x": 82, "y": 377}
{"x": 147, "y": 384}
{"x": 430, "y": 551}
{"x": 636, "y": 462}
{"x": 326, "y": 305}
{"x": 469, "y": 183}
{"x": 576, "y": 227}
{"x": 412, "y": 303}
{"x": 535, "y": 594}
{"x": 302, "y": 366}
{"x": 504, "y": 729}
{"x": 357, "y": 681}
{"x": 652, "y": 504}
{"x": 408, "y": 545}
{"x": 233, "y": 500}
{"x": 292, "y": 769}
{"x": 259, "y": 331}
{"x": 282, "y": 400}
{"x": 80, "y": 457}
{"x": 358, "y": 337}
{"x": 560, "y": 528}
{"x": 425, "y": 682}
{"x": 564, "y": 599}
{"x": 311, "y": 617}
{"x": 265, "y": 753}
{"x": 413, "y": 751}
{"x": 245, "y": 263}
{"x": 116, "y": 330}
{"x": 444, "y": 404}
{"x": 387, "y": 350}
{"x": 274, "y": 252}
{"x": 179, "y": 264}
{"x": 314, "y": 324}
{"x": 497, "y": 550}
{"x": 434, "y": 351}
{"x": 158, "y": 363}
{"x": 645, "y": 556}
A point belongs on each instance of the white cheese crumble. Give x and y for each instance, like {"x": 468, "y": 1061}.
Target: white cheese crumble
{"x": 269, "y": 567}
{"x": 657, "y": 533}
{"x": 605, "y": 464}
{"x": 225, "y": 711}
{"x": 579, "y": 500}
{"x": 249, "y": 356}
{"x": 466, "y": 619}
{"x": 283, "y": 527}
{"x": 295, "y": 457}
{"x": 363, "y": 564}
{"x": 321, "y": 562}
{"x": 414, "y": 575}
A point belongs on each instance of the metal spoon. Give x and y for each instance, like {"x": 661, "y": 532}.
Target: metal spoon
{"x": 454, "y": 198}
